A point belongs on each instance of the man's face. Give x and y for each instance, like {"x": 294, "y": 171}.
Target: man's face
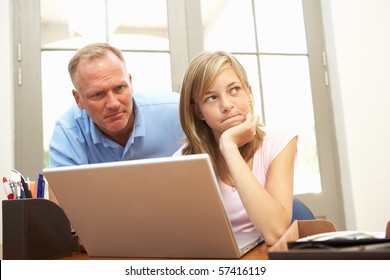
{"x": 104, "y": 91}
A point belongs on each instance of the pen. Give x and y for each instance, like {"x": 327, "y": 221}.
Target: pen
{"x": 27, "y": 192}
{"x": 18, "y": 190}
{"x": 7, "y": 188}
{"x": 41, "y": 186}
{"x": 33, "y": 189}
{"x": 13, "y": 188}
{"x": 15, "y": 180}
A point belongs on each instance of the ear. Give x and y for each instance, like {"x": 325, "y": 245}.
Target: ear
{"x": 130, "y": 79}
{"x": 77, "y": 99}
{"x": 197, "y": 111}
{"x": 249, "y": 93}
{"x": 250, "y": 96}
{"x": 131, "y": 84}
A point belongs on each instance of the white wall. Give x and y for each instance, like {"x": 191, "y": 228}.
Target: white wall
{"x": 358, "y": 46}
{"x": 6, "y": 101}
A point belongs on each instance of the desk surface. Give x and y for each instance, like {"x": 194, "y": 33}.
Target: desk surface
{"x": 258, "y": 253}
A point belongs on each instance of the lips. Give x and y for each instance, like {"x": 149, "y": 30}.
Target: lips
{"x": 114, "y": 115}
{"x": 235, "y": 118}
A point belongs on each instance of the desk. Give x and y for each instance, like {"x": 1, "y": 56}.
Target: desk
{"x": 258, "y": 253}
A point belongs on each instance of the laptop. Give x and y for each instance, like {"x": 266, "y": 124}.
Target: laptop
{"x": 167, "y": 207}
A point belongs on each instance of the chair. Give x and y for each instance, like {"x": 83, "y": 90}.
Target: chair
{"x": 301, "y": 211}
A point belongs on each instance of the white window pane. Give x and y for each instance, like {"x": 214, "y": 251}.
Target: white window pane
{"x": 127, "y": 24}
{"x": 135, "y": 24}
{"x": 72, "y": 23}
{"x": 280, "y": 26}
{"x": 250, "y": 63}
{"x": 139, "y": 42}
{"x": 56, "y": 89}
{"x": 288, "y": 103}
{"x": 149, "y": 71}
{"x": 87, "y": 19}
{"x": 228, "y": 25}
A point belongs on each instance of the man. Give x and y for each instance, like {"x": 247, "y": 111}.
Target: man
{"x": 109, "y": 123}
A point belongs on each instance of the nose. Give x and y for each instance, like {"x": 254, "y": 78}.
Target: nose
{"x": 112, "y": 101}
{"x": 225, "y": 104}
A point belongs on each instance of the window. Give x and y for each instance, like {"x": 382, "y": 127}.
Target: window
{"x": 270, "y": 42}
{"x": 66, "y": 25}
{"x": 280, "y": 43}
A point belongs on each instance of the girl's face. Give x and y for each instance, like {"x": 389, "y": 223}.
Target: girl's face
{"x": 225, "y": 104}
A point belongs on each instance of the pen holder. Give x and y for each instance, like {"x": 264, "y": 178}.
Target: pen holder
{"x": 35, "y": 229}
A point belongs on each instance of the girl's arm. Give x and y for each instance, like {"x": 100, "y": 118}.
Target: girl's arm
{"x": 269, "y": 208}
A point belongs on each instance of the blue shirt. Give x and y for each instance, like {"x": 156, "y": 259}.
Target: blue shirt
{"x": 156, "y": 133}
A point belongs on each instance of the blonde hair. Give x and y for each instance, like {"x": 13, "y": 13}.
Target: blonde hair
{"x": 91, "y": 52}
{"x": 198, "y": 78}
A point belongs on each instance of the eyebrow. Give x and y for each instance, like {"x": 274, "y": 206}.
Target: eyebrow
{"x": 229, "y": 85}
{"x": 232, "y": 83}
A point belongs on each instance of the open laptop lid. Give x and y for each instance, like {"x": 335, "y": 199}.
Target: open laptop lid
{"x": 163, "y": 207}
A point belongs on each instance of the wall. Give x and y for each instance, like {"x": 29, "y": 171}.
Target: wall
{"x": 357, "y": 38}
{"x": 6, "y": 101}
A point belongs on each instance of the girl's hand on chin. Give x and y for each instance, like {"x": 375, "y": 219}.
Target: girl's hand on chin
{"x": 242, "y": 133}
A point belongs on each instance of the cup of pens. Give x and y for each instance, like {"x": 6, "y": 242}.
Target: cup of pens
{"x": 17, "y": 187}
{"x": 33, "y": 227}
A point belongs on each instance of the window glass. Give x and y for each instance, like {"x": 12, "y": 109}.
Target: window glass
{"x": 280, "y": 80}
{"x": 138, "y": 25}
{"x": 280, "y": 26}
{"x": 288, "y": 103}
{"x": 249, "y": 62}
{"x": 56, "y": 89}
{"x": 268, "y": 37}
{"x": 149, "y": 71}
{"x": 127, "y": 24}
{"x": 228, "y": 24}
{"x": 138, "y": 28}
{"x": 72, "y": 23}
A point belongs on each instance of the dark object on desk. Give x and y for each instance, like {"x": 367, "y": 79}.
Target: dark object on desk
{"x": 35, "y": 229}
{"x": 287, "y": 248}
{"x": 301, "y": 211}
{"x": 364, "y": 244}
{"x": 367, "y": 249}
